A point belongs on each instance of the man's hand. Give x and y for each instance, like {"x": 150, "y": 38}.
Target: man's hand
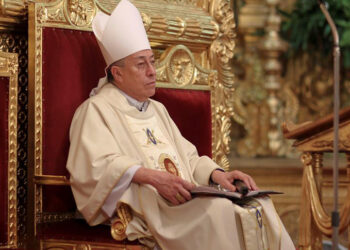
{"x": 225, "y": 179}
{"x": 171, "y": 187}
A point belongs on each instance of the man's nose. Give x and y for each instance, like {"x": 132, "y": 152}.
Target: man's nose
{"x": 151, "y": 69}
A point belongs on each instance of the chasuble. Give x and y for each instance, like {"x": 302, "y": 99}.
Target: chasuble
{"x": 108, "y": 136}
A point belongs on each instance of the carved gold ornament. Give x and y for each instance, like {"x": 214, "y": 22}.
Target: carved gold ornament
{"x": 181, "y": 70}
{"x": 9, "y": 69}
{"x": 118, "y": 227}
{"x": 177, "y": 66}
{"x": 80, "y": 12}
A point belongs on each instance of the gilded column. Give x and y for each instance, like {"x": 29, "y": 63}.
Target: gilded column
{"x": 249, "y": 99}
{"x": 272, "y": 46}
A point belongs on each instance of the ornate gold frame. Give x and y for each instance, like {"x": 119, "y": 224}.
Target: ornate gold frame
{"x": 9, "y": 68}
{"x": 206, "y": 31}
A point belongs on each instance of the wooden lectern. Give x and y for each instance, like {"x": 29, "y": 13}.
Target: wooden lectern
{"x": 314, "y": 139}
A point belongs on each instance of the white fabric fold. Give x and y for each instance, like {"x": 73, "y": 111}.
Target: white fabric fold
{"x": 111, "y": 202}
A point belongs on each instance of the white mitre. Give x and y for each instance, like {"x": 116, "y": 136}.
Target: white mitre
{"x": 120, "y": 34}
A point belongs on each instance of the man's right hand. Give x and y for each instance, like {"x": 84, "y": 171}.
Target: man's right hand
{"x": 171, "y": 187}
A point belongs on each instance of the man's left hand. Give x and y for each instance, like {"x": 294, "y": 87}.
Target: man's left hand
{"x": 225, "y": 179}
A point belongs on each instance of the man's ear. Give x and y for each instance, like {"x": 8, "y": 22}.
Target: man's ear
{"x": 117, "y": 73}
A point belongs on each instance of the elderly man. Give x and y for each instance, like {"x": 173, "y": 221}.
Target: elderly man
{"x": 126, "y": 149}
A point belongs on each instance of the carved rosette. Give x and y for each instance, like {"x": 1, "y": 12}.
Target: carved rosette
{"x": 9, "y": 69}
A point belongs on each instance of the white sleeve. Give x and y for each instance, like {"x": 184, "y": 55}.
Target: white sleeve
{"x": 111, "y": 202}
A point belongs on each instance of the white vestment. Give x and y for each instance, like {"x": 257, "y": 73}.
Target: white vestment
{"x": 108, "y": 136}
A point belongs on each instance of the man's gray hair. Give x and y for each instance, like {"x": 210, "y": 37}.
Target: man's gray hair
{"x": 119, "y": 63}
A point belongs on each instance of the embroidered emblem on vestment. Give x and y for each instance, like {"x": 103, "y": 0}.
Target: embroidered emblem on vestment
{"x": 150, "y": 136}
{"x": 166, "y": 163}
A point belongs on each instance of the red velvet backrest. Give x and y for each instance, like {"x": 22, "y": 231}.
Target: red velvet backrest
{"x": 4, "y": 94}
{"x": 72, "y": 65}
{"x": 191, "y": 111}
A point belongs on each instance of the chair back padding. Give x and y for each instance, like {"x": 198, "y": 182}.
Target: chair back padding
{"x": 72, "y": 65}
{"x": 191, "y": 112}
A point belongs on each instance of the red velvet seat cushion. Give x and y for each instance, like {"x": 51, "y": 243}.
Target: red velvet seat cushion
{"x": 4, "y": 93}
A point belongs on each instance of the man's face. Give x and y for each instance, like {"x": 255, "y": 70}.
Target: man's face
{"x": 137, "y": 77}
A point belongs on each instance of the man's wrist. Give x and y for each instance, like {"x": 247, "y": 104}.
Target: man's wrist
{"x": 211, "y": 181}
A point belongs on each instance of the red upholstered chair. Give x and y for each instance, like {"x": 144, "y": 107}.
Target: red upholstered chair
{"x": 65, "y": 63}
{"x": 8, "y": 150}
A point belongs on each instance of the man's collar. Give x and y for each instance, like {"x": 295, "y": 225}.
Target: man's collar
{"x": 141, "y": 106}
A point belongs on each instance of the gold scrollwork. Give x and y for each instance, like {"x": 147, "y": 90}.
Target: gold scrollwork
{"x": 224, "y": 45}
{"x": 118, "y": 227}
{"x": 221, "y": 122}
{"x": 221, "y": 51}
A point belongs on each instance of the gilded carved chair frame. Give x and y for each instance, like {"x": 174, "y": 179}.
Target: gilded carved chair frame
{"x": 199, "y": 32}
{"x": 9, "y": 69}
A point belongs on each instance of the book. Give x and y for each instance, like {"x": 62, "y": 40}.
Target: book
{"x": 235, "y": 197}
